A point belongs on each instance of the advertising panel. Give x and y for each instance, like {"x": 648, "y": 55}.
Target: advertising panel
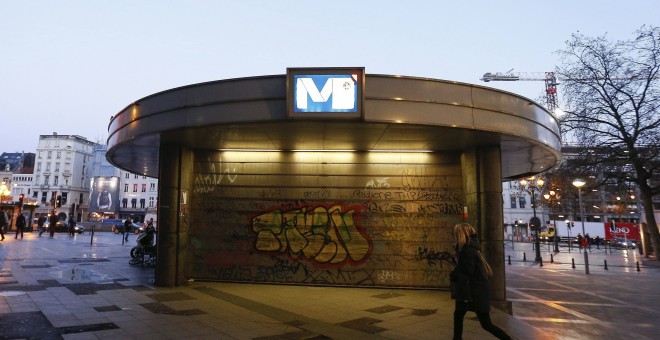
{"x": 625, "y": 230}
{"x": 105, "y": 194}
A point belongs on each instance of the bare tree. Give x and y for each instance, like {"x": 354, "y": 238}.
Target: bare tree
{"x": 612, "y": 91}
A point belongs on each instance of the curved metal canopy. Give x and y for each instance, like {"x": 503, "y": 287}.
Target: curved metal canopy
{"x": 400, "y": 114}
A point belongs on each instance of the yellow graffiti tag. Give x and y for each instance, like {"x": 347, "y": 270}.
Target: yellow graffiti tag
{"x": 327, "y": 236}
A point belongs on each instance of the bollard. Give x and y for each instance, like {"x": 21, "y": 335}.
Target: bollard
{"x": 540, "y": 262}
{"x": 552, "y": 260}
{"x": 509, "y": 260}
{"x": 524, "y": 257}
{"x": 637, "y": 265}
{"x": 573, "y": 262}
{"x": 605, "y": 264}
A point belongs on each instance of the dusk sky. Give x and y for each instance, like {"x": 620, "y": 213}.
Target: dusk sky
{"x": 68, "y": 66}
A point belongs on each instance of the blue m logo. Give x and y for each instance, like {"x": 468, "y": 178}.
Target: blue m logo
{"x": 338, "y": 93}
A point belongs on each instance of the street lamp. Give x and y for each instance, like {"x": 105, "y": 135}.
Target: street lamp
{"x": 531, "y": 185}
{"x": 578, "y": 183}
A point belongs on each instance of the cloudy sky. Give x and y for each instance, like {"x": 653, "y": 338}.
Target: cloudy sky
{"x": 67, "y": 66}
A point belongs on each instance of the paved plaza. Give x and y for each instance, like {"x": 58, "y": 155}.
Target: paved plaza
{"x": 613, "y": 302}
{"x": 82, "y": 287}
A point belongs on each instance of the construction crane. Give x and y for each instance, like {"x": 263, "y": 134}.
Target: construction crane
{"x": 548, "y": 77}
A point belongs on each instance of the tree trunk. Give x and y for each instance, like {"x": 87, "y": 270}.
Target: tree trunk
{"x": 650, "y": 220}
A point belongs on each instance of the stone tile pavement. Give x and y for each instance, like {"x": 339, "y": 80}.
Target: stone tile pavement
{"x": 83, "y": 288}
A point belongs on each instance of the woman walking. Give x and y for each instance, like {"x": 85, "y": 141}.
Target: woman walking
{"x": 471, "y": 279}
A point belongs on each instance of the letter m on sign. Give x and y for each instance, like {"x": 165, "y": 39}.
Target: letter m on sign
{"x": 326, "y": 93}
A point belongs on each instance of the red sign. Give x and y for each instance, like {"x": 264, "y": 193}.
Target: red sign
{"x": 622, "y": 229}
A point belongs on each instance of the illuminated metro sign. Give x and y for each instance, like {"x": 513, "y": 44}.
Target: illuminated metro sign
{"x": 325, "y": 93}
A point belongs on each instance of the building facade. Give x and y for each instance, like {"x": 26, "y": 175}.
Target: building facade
{"x": 120, "y": 194}
{"x": 138, "y": 196}
{"x": 63, "y": 168}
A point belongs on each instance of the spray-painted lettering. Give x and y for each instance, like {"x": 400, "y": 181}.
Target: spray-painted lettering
{"x": 325, "y": 236}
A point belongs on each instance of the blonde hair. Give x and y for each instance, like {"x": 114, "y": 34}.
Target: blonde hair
{"x": 462, "y": 234}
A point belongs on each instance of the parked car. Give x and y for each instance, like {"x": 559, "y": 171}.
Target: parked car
{"x": 63, "y": 227}
{"x": 118, "y": 228}
{"x": 620, "y": 242}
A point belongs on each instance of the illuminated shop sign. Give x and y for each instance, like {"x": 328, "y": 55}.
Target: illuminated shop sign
{"x": 325, "y": 93}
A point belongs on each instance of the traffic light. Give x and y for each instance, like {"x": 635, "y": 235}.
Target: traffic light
{"x": 20, "y": 200}
{"x": 58, "y": 201}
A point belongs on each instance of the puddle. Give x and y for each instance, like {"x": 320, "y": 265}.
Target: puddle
{"x": 78, "y": 274}
{"x": 11, "y": 293}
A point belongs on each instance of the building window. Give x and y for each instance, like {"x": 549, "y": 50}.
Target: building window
{"x": 142, "y": 203}
{"x": 65, "y": 195}
{"x": 50, "y": 154}
{"x": 59, "y": 154}
{"x": 47, "y": 166}
{"x": 44, "y": 196}
{"x": 513, "y": 202}
{"x": 68, "y": 155}
{"x": 522, "y": 200}
{"x": 56, "y": 180}
{"x": 124, "y": 203}
{"x": 136, "y": 176}
{"x": 144, "y": 187}
{"x": 144, "y": 177}
{"x": 39, "y": 166}
{"x": 127, "y": 175}
{"x": 57, "y": 167}
{"x": 135, "y": 187}
{"x": 125, "y": 187}
{"x": 134, "y": 203}
{"x": 152, "y": 187}
{"x": 151, "y": 202}
{"x": 46, "y": 179}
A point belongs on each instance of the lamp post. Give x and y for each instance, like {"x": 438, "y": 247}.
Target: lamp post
{"x": 578, "y": 183}
{"x": 531, "y": 185}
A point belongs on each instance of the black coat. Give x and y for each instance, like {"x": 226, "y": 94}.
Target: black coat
{"x": 470, "y": 268}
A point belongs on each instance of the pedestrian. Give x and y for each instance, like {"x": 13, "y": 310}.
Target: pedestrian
{"x": 588, "y": 243}
{"x": 20, "y": 225}
{"x": 127, "y": 228}
{"x": 72, "y": 226}
{"x": 40, "y": 224}
{"x": 471, "y": 275}
{"x": 585, "y": 244}
{"x": 53, "y": 224}
{"x": 579, "y": 240}
{"x": 597, "y": 240}
{"x": 3, "y": 224}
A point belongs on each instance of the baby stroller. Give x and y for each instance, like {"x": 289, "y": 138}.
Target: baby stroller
{"x": 145, "y": 250}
